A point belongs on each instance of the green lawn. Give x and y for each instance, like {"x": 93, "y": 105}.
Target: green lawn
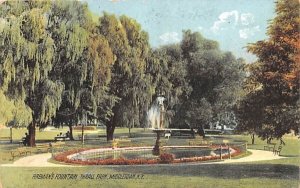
{"x": 191, "y": 175}
{"x": 275, "y": 173}
{"x": 291, "y": 149}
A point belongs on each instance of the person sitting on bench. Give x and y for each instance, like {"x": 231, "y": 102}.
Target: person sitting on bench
{"x": 26, "y": 139}
{"x": 68, "y": 134}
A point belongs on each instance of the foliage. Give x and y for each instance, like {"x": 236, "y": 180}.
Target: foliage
{"x": 129, "y": 83}
{"x": 27, "y": 52}
{"x": 214, "y": 77}
{"x": 274, "y": 101}
{"x": 61, "y": 65}
{"x": 166, "y": 158}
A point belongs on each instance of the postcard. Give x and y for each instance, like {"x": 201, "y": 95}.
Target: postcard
{"x": 149, "y": 93}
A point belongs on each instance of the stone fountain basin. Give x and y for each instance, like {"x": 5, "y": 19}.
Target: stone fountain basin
{"x": 146, "y": 152}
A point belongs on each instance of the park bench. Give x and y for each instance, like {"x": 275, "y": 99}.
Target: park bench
{"x": 277, "y": 151}
{"x": 167, "y": 135}
{"x": 91, "y": 137}
{"x": 21, "y": 142}
{"x": 123, "y": 137}
{"x": 5, "y": 138}
{"x": 270, "y": 147}
{"x": 86, "y": 137}
{"x": 102, "y": 136}
{"x": 61, "y": 138}
{"x": 58, "y": 146}
{"x": 118, "y": 142}
{"x": 122, "y": 140}
{"x": 46, "y": 147}
{"x": 19, "y": 152}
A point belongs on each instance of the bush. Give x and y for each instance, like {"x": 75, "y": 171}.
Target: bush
{"x": 166, "y": 158}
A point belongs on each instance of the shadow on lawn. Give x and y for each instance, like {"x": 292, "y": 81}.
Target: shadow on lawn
{"x": 228, "y": 171}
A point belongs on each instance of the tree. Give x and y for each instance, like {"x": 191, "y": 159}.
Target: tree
{"x": 71, "y": 26}
{"x": 128, "y": 84}
{"x": 214, "y": 77}
{"x": 276, "y": 72}
{"x": 27, "y": 51}
{"x": 199, "y": 114}
{"x": 168, "y": 76}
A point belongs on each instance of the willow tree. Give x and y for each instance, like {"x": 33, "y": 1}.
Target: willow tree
{"x": 69, "y": 23}
{"x": 100, "y": 60}
{"x": 138, "y": 94}
{"x": 128, "y": 84}
{"x": 27, "y": 51}
{"x": 83, "y": 61}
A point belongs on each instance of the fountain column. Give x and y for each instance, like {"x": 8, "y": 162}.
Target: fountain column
{"x": 156, "y": 149}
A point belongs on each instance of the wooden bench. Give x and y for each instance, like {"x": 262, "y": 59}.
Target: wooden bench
{"x": 43, "y": 147}
{"x": 5, "y": 138}
{"x": 61, "y": 138}
{"x": 167, "y": 135}
{"x": 270, "y": 147}
{"x": 19, "y": 152}
{"x": 85, "y": 137}
{"x": 117, "y": 142}
{"x": 123, "y": 140}
{"x": 277, "y": 151}
{"x": 123, "y": 137}
{"x": 58, "y": 146}
{"x": 47, "y": 147}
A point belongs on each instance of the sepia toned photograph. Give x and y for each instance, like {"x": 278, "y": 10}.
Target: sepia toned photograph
{"x": 149, "y": 93}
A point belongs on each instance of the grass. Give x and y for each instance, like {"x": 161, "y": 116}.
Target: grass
{"x": 275, "y": 173}
{"x": 194, "y": 175}
{"x": 291, "y": 149}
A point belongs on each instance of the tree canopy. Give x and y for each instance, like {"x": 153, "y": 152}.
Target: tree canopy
{"x": 271, "y": 107}
{"x": 59, "y": 64}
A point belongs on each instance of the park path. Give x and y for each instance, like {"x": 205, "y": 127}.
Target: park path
{"x": 257, "y": 155}
{"x": 41, "y": 160}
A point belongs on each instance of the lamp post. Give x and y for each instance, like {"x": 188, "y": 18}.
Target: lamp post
{"x": 82, "y": 127}
{"x": 226, "y": 142}
{"x": 10, "y": 137}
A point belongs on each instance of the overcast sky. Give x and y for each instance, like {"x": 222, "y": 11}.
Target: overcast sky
{"x": 233, "y": 23}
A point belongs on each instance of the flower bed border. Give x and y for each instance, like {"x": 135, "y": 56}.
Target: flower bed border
{"x": 63, "y": 157}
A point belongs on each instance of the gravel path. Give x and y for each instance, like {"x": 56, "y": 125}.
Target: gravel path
{"x": 257, "y": 155}
{"x": 41, "y": 160}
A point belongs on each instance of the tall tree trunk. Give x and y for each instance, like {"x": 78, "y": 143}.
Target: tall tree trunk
{"x": 110, "y": 128}
{"x": 31, "y": 130}
{"x": 201, "y": 131}
{"x": 129, "y": 131}
{"x": 71, "y": 131}
{"x": 252, "y": 139}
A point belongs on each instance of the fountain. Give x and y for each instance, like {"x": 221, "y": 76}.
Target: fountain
{"x": 151, "y": 155}
{"x": 156, "y": 120}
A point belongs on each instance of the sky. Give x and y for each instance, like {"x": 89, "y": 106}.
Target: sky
{"x": 233, "y": 23}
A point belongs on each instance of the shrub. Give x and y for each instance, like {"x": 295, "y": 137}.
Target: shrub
{"x": 166, "y": 158}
